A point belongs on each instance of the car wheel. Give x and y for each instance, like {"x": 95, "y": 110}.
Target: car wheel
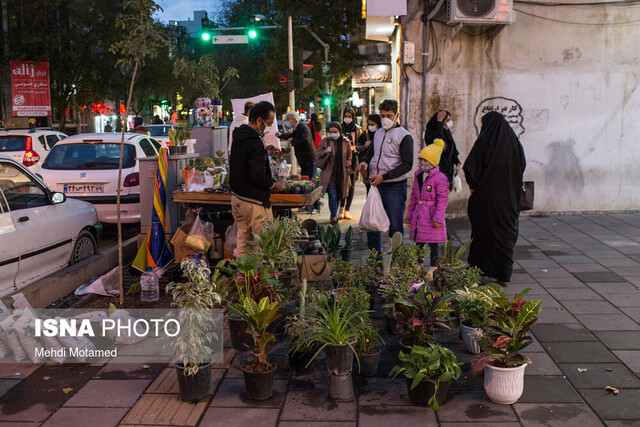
{"x": 84, "y": 248}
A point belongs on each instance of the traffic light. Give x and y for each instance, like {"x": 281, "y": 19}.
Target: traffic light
{"x": 300, "y": 68}
{"x": 206, "y": 29}
{"x": 285, "y": 79}
{"x": 326, "y": 100}
{"x": 252, "y": 33}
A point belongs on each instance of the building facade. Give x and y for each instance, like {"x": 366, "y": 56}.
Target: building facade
{"x": 565, "y": 77}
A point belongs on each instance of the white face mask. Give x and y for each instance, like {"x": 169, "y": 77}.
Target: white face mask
{"x": 348, "y": 120}
{"x": 373, "y": 128}
{"x": 387, "y": 123}
{"x": 427, "y": 167}
{"x": 334, "y": 135}
{"x": 450, "y": 124}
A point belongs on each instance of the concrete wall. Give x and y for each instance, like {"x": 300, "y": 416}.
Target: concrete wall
{"x": 573, "y": 89}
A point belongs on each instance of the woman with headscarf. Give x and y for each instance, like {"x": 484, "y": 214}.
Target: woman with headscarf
{"x": 315, "y": 127}
{"x": 352, "y": 132}
{"x": 364, "y": 143}
{"x": 334, "y": 157}
{"x": 439, "y": 127}
{"x": 494, "y": 172}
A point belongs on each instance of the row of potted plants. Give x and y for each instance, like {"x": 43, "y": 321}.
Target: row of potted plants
{"x": 261, "y": 301}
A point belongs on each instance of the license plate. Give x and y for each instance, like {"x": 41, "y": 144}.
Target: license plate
{"x": 84, "y": 188}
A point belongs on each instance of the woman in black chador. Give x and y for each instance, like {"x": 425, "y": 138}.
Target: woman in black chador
{"x": 494, "y": 172}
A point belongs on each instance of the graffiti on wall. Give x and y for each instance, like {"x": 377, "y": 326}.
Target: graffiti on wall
{"x": 509, "y": 108}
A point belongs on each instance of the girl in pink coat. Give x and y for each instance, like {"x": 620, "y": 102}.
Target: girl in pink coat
{"x": 429, "y": 198}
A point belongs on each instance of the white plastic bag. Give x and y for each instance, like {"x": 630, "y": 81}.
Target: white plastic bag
{"x": 199, "y": 181}
{"x": 231, "y": 238}
{"x": 457, "y": 183}
{"x": 374, "y": 217}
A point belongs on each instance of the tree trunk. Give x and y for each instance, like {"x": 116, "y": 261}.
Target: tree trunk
{"x": 120, "y": 281}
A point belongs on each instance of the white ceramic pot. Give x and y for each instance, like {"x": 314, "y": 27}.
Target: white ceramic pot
{"x": 468, "y": 336}
{"x": 504, "y": 385}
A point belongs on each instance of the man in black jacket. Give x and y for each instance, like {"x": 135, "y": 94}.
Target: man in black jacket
{"x": 250, "y": 175}
{"x": 302, "y": 142}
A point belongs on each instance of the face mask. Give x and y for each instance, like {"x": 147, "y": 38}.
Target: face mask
{"x": 348, "y": 120}
{"x": 387, "y": 123}
{"x": 334, "y": 135}
{"x": 261, "y": 130}
{"x": 427, "y": 167}
{"x": 450, "y": 124}
{"x": 373, "y": 128}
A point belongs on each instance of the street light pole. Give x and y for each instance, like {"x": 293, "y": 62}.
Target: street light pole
{"x": 325, "y": 71}
{"x": 292, "y": 93}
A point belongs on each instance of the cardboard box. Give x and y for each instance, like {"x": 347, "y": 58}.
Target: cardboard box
{"x": 180, "y": 250}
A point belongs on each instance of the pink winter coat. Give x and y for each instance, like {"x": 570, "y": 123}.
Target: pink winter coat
{"x": 428, "y": 205}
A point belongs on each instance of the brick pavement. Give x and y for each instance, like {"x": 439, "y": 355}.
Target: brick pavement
{"x": 585, "y": 269}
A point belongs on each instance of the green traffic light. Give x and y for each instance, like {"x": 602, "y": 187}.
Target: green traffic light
{"x": 206, "y": 37}
{"x": 327, "y": 101}
{"x": 252, "y": 34}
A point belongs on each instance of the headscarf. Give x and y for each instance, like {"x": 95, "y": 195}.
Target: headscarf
{"x": 377, "y": 120}
{"x": 351, "y": 127}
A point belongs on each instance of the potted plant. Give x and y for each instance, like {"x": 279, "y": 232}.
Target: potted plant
{"x": 330, "y": 238}
{"x": 276, "y": 246}
{"x": 343, "y": 274}
{"x": 428, "y": 370}
{"x": 180, "y": 138}
{"x": 368, "y": 350}
{"x": 501, "y": 342}
{"x": 347, "y": 249}
{"x": 258, "y": 374}
{"x": 335, "y": 331}
{"x": 424, "y": 313}
{"x": 393, "y": 294}
{"x": 449, "y": 262}
{"x": 300, "y": 353}
{"x": 193, "y": 346}
{"x": 470, "y": 307}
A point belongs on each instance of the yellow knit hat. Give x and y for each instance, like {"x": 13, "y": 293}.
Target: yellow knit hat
{"x": 432, "y": 152}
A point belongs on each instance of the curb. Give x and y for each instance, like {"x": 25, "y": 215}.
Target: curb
{"x": 46, "y": 291}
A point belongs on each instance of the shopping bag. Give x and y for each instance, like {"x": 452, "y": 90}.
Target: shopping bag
{"x": 526, "y": 196}
{"x": 315, "y": 268}
{"x": 374, "y": 217}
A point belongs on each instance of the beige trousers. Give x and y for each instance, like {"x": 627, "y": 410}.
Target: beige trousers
{"x": 246, "y": 215}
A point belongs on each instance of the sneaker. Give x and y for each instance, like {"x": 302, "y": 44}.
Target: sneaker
{"x": 340, "y": 212}
{"x": 347, "y": 215}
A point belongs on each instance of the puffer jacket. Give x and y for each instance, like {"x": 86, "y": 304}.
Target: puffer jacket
{"x": 428, "y": 205}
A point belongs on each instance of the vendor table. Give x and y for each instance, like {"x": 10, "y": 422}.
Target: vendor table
{"x": 277, "y": 199}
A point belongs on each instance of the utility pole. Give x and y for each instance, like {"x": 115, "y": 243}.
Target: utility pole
{"x": 292, "y": 93}
{"x": 325, "y": 71}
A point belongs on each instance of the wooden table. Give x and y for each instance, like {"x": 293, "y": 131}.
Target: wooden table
{"x": 277, "y": 199}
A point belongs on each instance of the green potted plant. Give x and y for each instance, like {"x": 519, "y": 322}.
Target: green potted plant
{"x": 470, "y": 307}
{"x": 393, "y": 294}
{"x": 347, "y": 249}
{"x": 180, "y": 137}
{"x": 429, "y": 371}
{"x": 506, "y": 334}
{"x": 193, "y": 346}
{"x": 276, "y": 245}
{"x": 258, "y": 374}
{"x": 343, "y": 274}
{"x": 449, "y": 262}
{"x": 330, "y": 238}
{"x": 368, "y": 349}
{"x": 300, "y": 353}
{"x": 424, "y": 312}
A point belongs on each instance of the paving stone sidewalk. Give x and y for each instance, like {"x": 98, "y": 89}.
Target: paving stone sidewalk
{"x": 585, "y": 269}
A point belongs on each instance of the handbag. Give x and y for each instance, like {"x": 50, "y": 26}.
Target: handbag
{"x": 526, "y": 196}
{"x": 315, "y": 268}
{"x": 321, "y": 162}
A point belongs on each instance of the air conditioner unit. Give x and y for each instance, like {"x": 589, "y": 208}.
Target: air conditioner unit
{"x": 487, "y": 12}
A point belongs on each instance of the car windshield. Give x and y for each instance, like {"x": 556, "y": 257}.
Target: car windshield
{"x": 13, "y": 143}
{"x": 89, "y": 156}
{"x": 158, "y": 130}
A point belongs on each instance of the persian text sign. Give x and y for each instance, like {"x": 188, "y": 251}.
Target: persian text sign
{"x": 30, "y": 89}
{"x": 371, "y": 75}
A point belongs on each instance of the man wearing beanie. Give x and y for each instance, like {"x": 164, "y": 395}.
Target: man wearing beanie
{"x": 388, "y": 166}
{"x": 429, "y": 198}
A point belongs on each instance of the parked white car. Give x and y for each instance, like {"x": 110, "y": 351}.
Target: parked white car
{"x": 29, "y": 146}
{"x": 161, "y": 133}
{"x": 85, "y": 167}
{"x": 41, "y": 231}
